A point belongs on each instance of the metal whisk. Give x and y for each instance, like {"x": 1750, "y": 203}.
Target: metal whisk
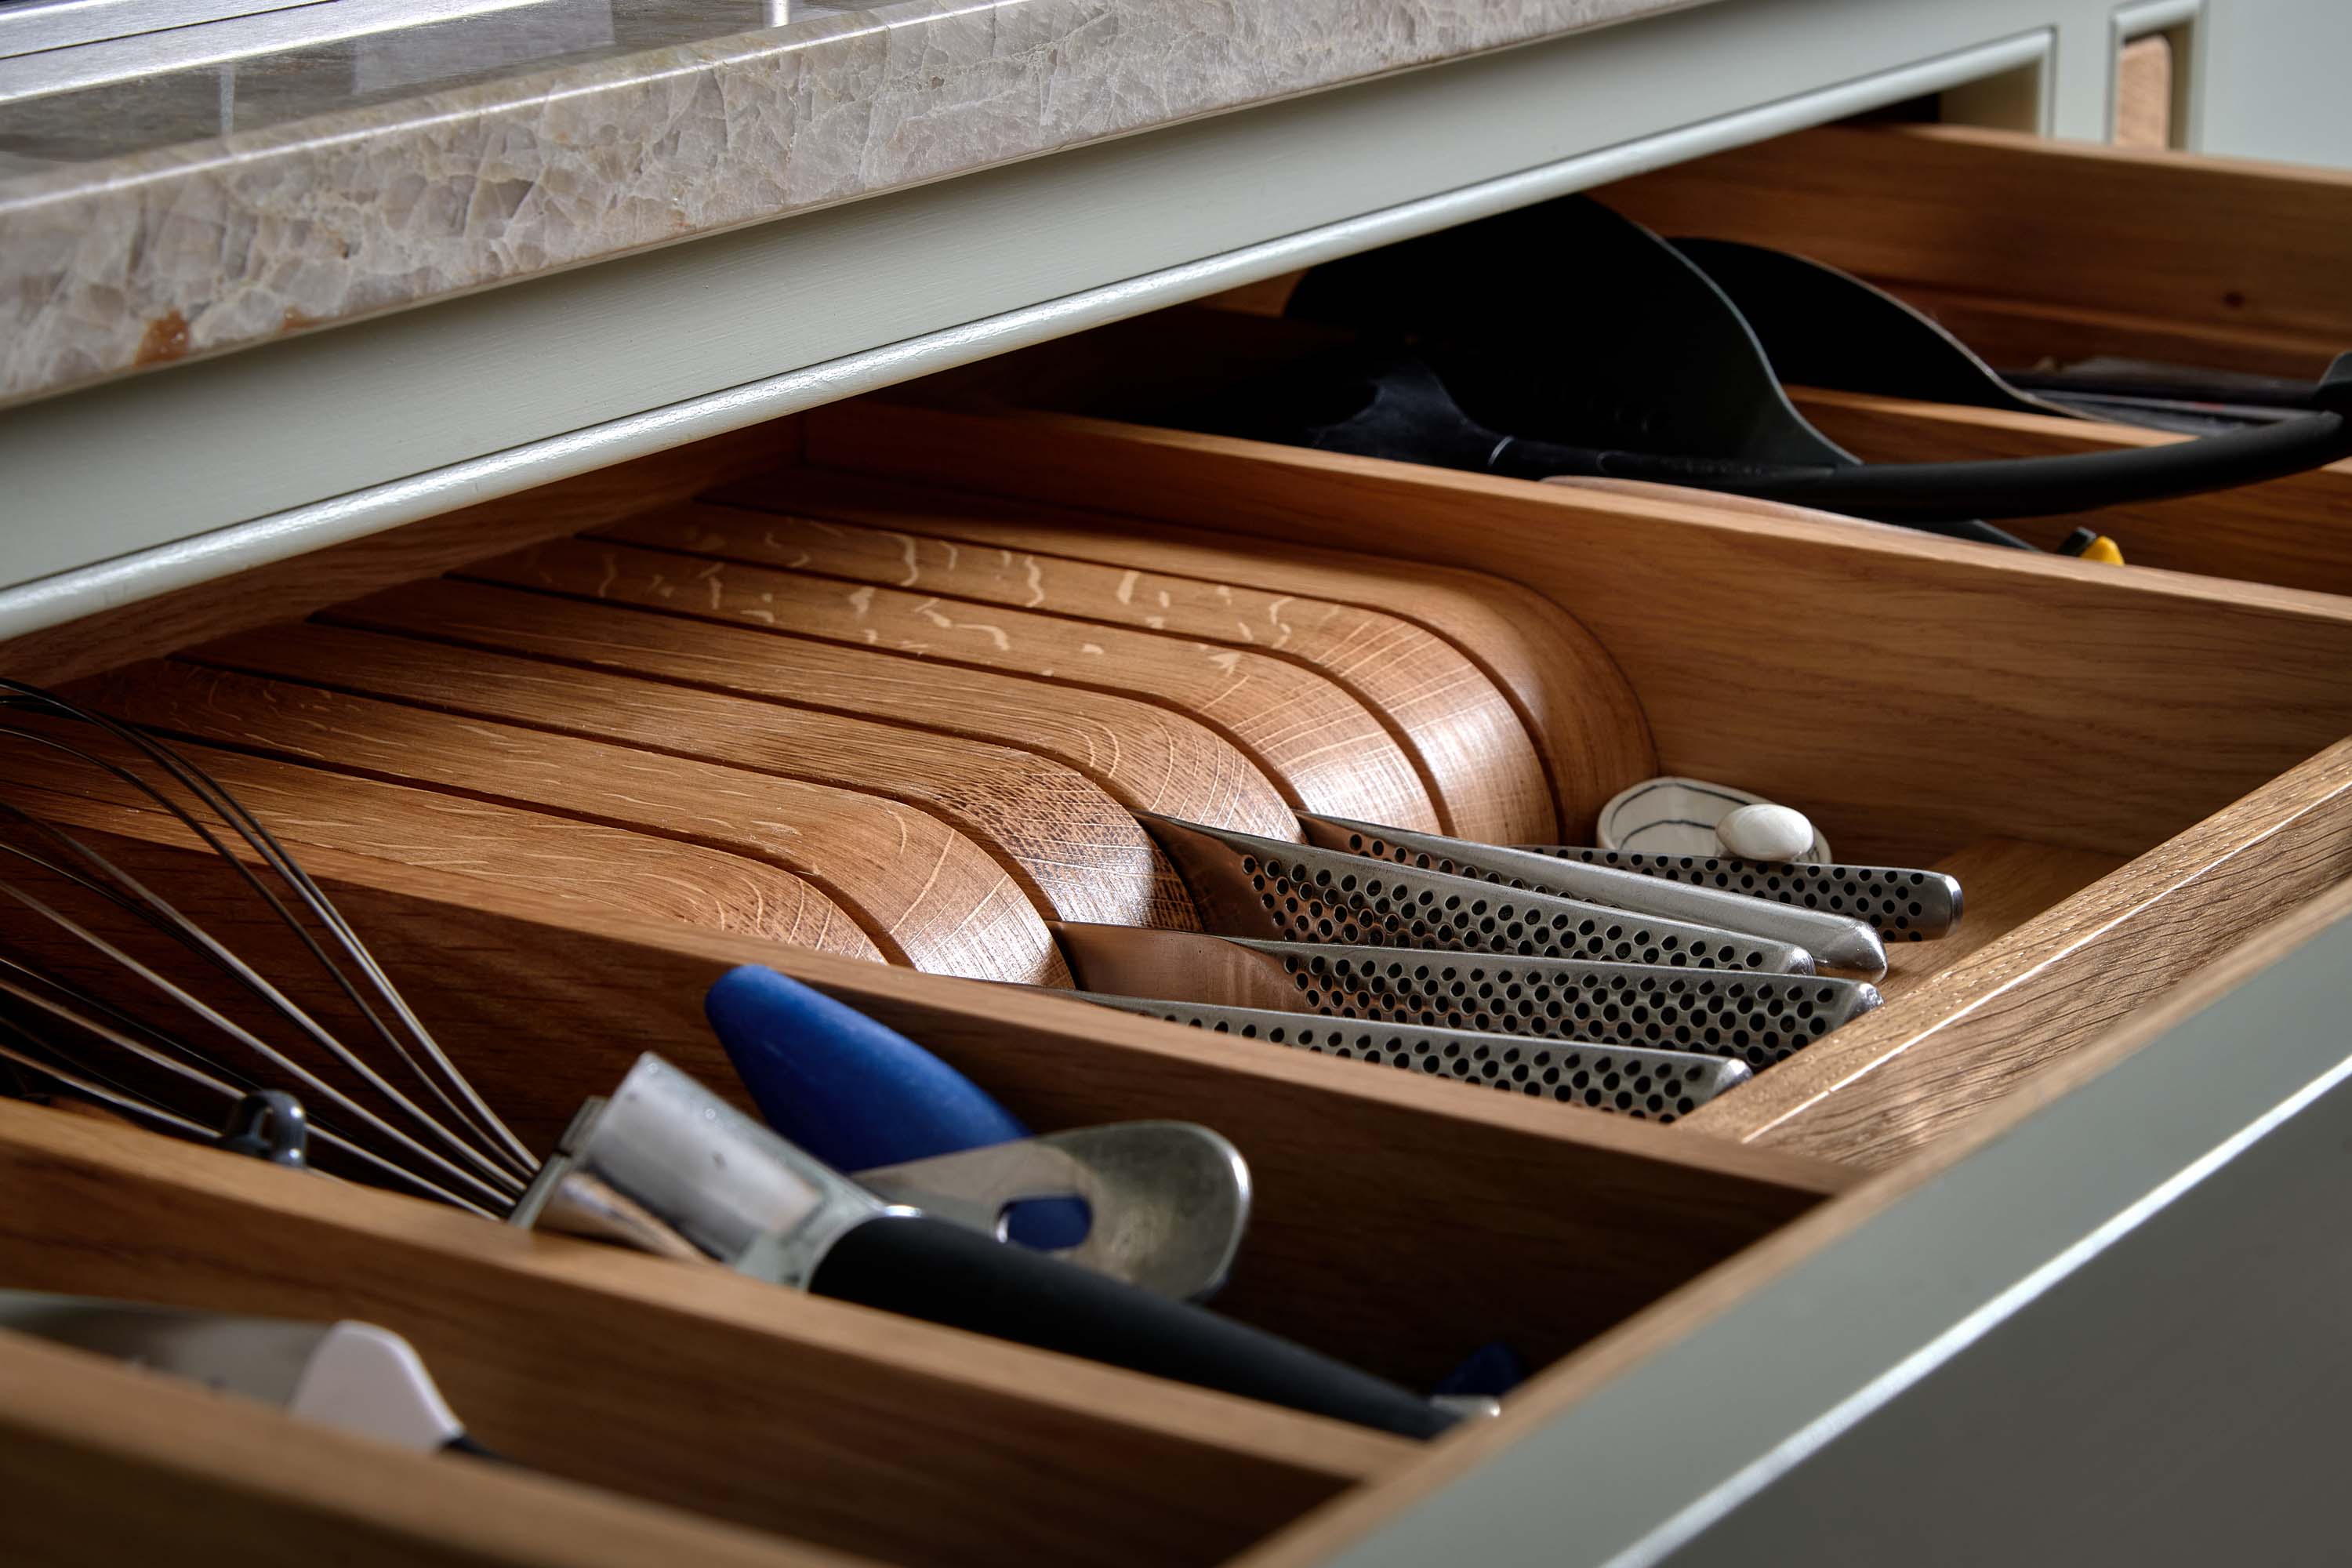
{"x": 87, "y": 1041}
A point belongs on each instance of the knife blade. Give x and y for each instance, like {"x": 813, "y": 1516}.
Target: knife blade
{"x": 1904, "y": 904}
{"x": 1631, "y": 1080}
{"x": 1759, "y": 1018}
{"x": 1245, "y": 886}
{"x": 1835, "y": 940}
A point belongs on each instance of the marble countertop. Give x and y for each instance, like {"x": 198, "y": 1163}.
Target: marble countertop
{"x": 194, "y": 211}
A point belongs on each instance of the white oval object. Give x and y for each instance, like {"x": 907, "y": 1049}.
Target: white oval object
{"x": 1678, "y": 817}
{"x": 1765, "y": 832}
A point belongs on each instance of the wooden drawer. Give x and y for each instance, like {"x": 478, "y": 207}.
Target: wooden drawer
{"x": 2132, "y": 771}
{"x": 2121, "y": 802}
{"x": 2033, "y": 251}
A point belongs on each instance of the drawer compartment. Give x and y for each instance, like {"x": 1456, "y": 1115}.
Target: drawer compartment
{"x": 1397, "y": 1227}
{"x": 2127, "y": 771}
{"x": 881, "y": 717}
{"x": 2036, "y": 252}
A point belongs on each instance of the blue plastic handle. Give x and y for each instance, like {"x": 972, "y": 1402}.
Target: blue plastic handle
{"x": 856, "y": 1095}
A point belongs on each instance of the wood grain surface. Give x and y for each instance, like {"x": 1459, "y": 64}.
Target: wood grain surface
{"x": 2025, "y": 334}
{"x": 580, "y": 866}
{"x": 1071, "y": 848}
{"x": 1468, "y": 747}
{"x": 2143, "y": 93}
{"x": 682, "y": 1383}
{"x": 923, "y": 893}
{"x": 1494, "y": 1215}
{"x": 199, "y": 1477}
{"x": 1312, "y": 741}
{"x": 2288, "y": 531}
{"x": 1920, "y": 1067}
{"x": 1571, "y": 699}
{"x": 283, "y": 589}
{"x": 2171, "y": 236}
{"x": 1145, "y": 757}
{"x": 2004, "y": 883}
{"x": 1912, "y": 694}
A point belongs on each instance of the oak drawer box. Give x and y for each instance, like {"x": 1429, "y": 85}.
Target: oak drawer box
{"x": 873, "y": 627}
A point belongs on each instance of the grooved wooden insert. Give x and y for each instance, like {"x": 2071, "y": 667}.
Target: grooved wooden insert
{"x": 1465, "y": 744}
{"x": 924, "y": 893}
{"x": 1073, "y": 851}
{"x": 1311, "y": 740}
{"x": 1146, "y": 758}
{"x": 577, "y": 865}
{"x": 1571, "y": 699}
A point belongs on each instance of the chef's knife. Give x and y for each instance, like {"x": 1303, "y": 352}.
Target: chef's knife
{"x": 1633, "y": 1080}
{"x": 1835, "y": 940}
{"x": 1759, "y": 1018}
{"x": 1245, "y": 886}
{"x": 1903, "y": 904}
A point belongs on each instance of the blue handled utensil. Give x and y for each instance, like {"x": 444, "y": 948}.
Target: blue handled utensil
{"x": 857, "y": 1095}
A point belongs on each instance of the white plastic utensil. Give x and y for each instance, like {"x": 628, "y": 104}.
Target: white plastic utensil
{"x": 1685, "y": 816}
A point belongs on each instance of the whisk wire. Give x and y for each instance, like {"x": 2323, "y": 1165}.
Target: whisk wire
{"x": 105, "y": 1092}
{"x": 483, "y": 1123}
{"x": 139, "y": 1039}
{"x": 501, "y": 1160}
{"x": 161, "y": 914}
{"x": 253, "y": 1042}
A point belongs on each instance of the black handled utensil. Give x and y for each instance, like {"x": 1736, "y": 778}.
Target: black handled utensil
{"x": 1563, "y": 339}
{"x": 763, "y": 1207}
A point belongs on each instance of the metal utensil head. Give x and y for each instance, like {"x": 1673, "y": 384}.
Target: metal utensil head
{"x": 1633, "y": 1080}
{"x": 1756, "y": 1019}
{"x": 1167, "y": 1202}
{"x": 690, "y": 1160}
{"x": 1902, "y": 904}
{"x": 1265, "y": 887}
{"x": 1835, "y": 940}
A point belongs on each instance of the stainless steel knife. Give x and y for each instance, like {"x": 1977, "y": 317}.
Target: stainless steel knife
{"x": 1836, "y": 940}
{"x": 1629, "y": 1080}
{"x": 1902, "y": 903}
{"x": 1245, "y": 886}
{"x": 1757, "y": 1018}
